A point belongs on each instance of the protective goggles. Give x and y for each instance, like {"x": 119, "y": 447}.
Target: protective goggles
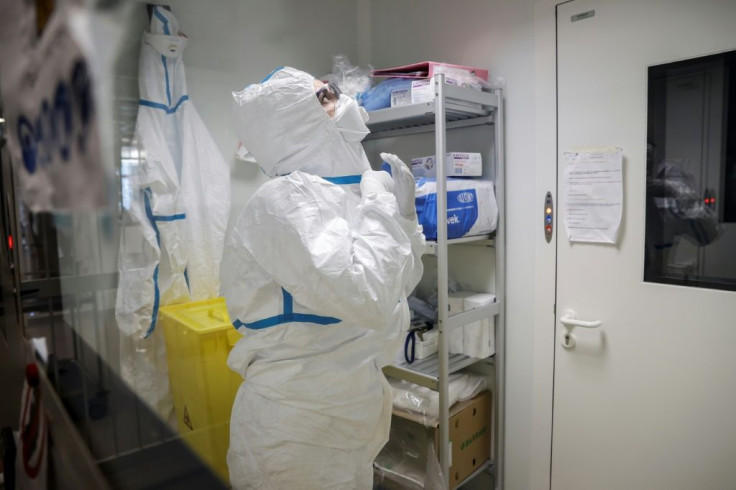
{"x": 328, "y": 93}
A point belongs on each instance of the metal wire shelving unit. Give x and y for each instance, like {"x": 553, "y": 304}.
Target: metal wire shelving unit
{"x": 456, "y": 107}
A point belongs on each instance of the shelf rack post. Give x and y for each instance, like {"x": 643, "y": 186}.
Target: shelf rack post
{"x": 500, "y": 319}
{"x": 442, "y": 267}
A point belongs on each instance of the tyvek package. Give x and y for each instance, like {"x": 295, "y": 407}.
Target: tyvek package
{"x": 471, "y": 207}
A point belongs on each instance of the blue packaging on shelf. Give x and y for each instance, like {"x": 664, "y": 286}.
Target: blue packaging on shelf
{"x": 471, "y": 207}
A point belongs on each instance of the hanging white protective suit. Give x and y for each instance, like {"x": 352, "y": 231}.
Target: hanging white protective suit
{"x": 172, "y": 233}
{"x": 316, "y": 277}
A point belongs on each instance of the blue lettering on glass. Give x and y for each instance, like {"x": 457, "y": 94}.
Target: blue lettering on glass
{"x": 27, "y": 142}
{"x": 63, "y": 114}
{"x": 52, "y": 133}
{"x": 82, "y": 95}
{"x": 44, "y": 150}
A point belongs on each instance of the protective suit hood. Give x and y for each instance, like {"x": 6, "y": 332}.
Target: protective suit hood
{"x": 283, "y": 125}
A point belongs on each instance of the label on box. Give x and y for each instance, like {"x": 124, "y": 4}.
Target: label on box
{"x": 423, "y": 90}
{"x": 457, "y": 164}
{"x": 400, "y": 97}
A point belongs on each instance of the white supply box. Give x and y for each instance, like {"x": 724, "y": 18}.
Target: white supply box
{"x": 479, "y": 338}
{"x": 456, "y": 304}
{"x": 423, "y": 91}
{"x": 476, "y": 339}
{"x": 427, "y": 345}
{"x": 458, "y": 164}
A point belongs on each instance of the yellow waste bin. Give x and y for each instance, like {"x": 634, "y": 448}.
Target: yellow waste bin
{"x": 199, "y": 337}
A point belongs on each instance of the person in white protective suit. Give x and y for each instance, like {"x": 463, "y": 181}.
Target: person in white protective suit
{"x": 316, "y": 274}
{"x": 172, "y": 234}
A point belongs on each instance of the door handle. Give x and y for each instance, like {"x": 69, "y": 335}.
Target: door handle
{"x": 570, "y": 320}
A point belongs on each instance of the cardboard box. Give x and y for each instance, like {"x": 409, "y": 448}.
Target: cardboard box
{"x": 457, "y": 164}
{"x": 470, "y": 435}
{"x": 405, "y": 455}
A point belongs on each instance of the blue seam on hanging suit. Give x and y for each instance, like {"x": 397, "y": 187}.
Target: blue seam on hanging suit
{"x": 153, "y": 219}
{"x": 149, "y": 213}
{"x": 287, "y": 317}
{"x": 166, "y": 76}
{"x": 168, "y": 108}
{"x": 163, "y": 20}
{"x": 163, "y": 107}
{"x": 156, "y": 294}
{"x": 147, "y": 191}
{"x": 172, "y": 217}
{"x": 176, "y": 106}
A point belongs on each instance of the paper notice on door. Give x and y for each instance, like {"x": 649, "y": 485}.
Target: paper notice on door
{"x": 592, "y": 194}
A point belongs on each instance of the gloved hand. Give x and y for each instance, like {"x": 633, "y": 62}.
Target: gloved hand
{"x": 376, "y": 181}
{"x": 403, "y": 185}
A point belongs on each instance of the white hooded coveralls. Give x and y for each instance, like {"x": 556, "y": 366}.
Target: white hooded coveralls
{"x": 316, "y": 277}
{"x": 172, "y": 235}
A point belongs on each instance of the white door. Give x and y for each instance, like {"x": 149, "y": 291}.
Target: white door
{"x": 648, "y": 399}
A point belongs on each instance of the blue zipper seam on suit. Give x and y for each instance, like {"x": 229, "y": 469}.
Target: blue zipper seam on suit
{"x": 153, "y": 219}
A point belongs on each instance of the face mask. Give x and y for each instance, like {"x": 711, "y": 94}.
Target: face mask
{"x": 350, "y": 119}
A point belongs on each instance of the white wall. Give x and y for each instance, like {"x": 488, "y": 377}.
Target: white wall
{"x": 498, "y": 35}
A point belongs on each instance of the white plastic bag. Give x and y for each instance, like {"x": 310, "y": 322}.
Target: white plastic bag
{"x": 351, "y": 79}
{"x": 410, "y": 397}
{"x": 408, "y": 461}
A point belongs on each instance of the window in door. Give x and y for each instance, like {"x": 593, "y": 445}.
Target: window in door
{"x": 691, "y": 173}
